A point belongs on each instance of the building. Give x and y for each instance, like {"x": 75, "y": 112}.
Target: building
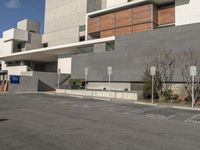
{"x": 101, "y": 33}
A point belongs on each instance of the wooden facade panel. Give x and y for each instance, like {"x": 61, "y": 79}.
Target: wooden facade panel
{"x": 124, "y": 18}
{"x": 142, "y": 14}
{"x": 94, "y": 25}
{"x": 108, "y": 21}
{"x": 124, "y": 30}
{"x": 166, "y": 15}
{"x": 142, "y": 27}
{"x": 107, "y": 33}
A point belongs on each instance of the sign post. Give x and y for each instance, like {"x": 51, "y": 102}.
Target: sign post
{"x": 58, "y": 71}
{"x": 153, "y": 73}
{"x": 193, "y": 73}
{"x": 109, "y": 75}
{"x": 86, "y": 77}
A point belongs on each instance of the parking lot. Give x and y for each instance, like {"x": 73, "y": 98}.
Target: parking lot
{"x": 48, "y": 122}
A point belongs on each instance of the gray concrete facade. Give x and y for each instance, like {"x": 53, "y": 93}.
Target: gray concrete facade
{"x": 64, "y": 20}
{"x": 126, "y": 59}
{"x": 33, "y": 81}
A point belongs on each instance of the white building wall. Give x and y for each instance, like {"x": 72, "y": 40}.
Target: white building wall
{"x": 187, "y": 12}
{"x": 111, "y": 3}
{"x": 64, "y": 64}
{"x": 5, "y": 47}
{"x": 16, "y": 70}
{"x": 15, "y": 34}
{"x": 62, "y": 21}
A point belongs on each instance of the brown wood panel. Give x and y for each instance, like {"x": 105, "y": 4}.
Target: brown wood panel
{"x": 108, "y": 21}
{"x": 142, "y": 14}
{"x": 166, "y": 15}
{"x": 94, "y": 25}
{"x": 124, "y": 30}
{"x": 107, "y": 33}
{"x": 142, "y": 27}
{"x": 124, "y": 18}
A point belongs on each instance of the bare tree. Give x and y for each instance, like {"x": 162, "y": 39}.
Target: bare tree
{"x": 187, "y": 59}
{"x": 165, "y": 64}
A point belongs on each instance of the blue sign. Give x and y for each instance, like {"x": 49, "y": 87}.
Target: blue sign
{"x": 15, "y": 79}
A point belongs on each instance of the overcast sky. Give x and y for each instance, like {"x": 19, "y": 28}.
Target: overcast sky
{"x": 12, "y": 11}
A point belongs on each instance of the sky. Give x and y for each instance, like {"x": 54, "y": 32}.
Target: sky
{"x": 13, "y": 11}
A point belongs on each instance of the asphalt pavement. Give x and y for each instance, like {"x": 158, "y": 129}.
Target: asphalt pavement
{"x": 48, "y": 122}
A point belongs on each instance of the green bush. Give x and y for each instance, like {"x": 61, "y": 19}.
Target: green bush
{"x": 76, "y": 83}
{"x": 147, "y": 88}
{"x": 188, "y": 98}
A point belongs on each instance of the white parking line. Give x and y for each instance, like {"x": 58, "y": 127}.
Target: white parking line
{"x": 141, "y": 110}
{"x": 160, "y": 116}
{"x": 190, "y": 120}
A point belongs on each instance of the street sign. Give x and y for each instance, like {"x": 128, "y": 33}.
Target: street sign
{"x": 193, "y": 70}
{"x": 153, "y": 71}
{"x": 14, "y": 79}
{"x": 109, "y": 70}
{"x": 86, "y": 71}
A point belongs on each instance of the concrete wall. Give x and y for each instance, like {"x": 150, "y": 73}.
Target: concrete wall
{"x": 5, "y": 47}
{"x": 27, "y": 84}
{"x": 127, "y": 59}
{"x": 15, "y": 34}
{"x": 105, "y": 85}
{"x": 63, "y": 19}
{"x": 64, "y": 64}
{"x": 102, "y": 95}
{"x": 47, "y": 80}
{"x": 36, "y": 81}
{"x": 16, "y": 70}
{"x": 111, "y": 3}
{"x": 187, "y": 12}
{"x": 35, "y": 41}
{"x": 29, "y": 25}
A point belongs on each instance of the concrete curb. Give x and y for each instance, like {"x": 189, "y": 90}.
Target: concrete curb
{"x": 168, "y": 106}
{"x": 143, "y": 103}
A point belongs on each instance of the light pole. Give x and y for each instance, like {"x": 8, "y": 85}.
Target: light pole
{"x": 58, "y": 71}
{"x": 86, "y": 77}
{"x": 153, "y": 73}
{"x": 109, "y": 75}
{"x": 193, "y": 73}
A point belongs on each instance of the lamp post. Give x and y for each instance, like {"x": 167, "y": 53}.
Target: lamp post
{"x": 86, "y": 77}
{"x": 58, "y": 72}
{"x": 109, "y": 75}
{"x": 153, "y": 73}
{"x": 193, "y": 73}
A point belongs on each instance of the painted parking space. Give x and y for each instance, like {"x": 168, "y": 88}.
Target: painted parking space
{"x": 156, "y": 112}
{"x": 194, "y": 119}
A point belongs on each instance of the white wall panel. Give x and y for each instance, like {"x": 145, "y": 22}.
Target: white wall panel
{"x": 187, "y": 12}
